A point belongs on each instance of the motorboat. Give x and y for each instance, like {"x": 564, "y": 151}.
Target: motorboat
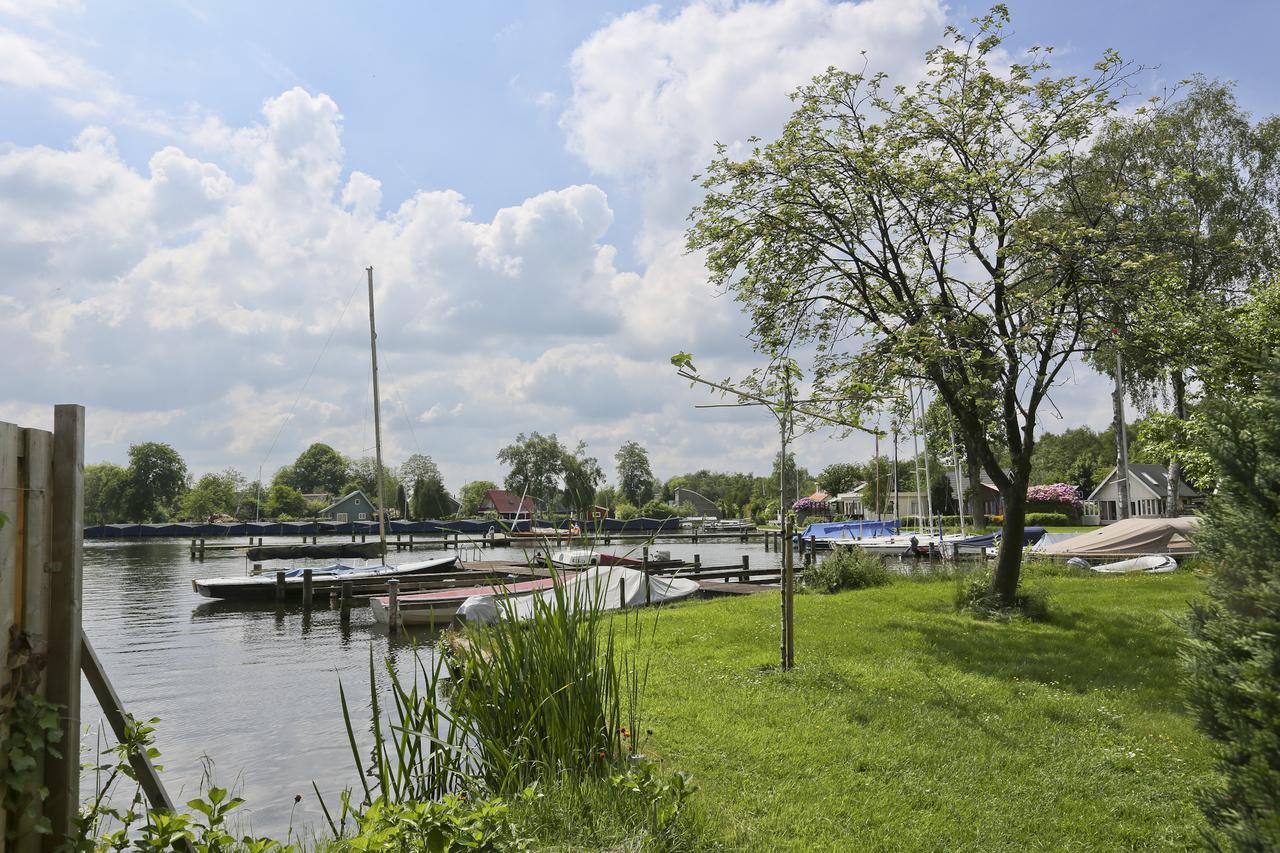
{"x": 263, "y": 586}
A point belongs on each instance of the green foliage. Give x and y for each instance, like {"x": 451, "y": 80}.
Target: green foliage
{"x": 901, "y": 231}
{"x": 840, "y": 477}
{"x": 1048, "y": 519}
{"x": 635, "y": 478}
{"x": 362, "y": 474}
{"x": 470, "y": 495}
{"x": 1077, "y": 456}
{"x": 319, "y": 468}
{"x": 214, "y": 494}
{"x": 32, "y": 730}
{"x": 625, "y": 511}
{"x": 658, "y": 509}
{"x": 105, "y": 486}
{"x": 285, "y": 500}
{"x": 456, "y": 822}
{"x": 536, "y": 463}
{"x": 1233, "y": 653}
{"x": 582, "y": 475}
{"x": 157, "y": 477}
{"x": 973, "y": 596}
{"x": 847, "y": 568}
{"x": 430, "y": 500}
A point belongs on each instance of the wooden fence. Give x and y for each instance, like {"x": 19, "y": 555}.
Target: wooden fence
{"x": 42, "y": 501}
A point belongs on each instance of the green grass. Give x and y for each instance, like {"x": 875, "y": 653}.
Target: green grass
{"x": 908, "y": 727}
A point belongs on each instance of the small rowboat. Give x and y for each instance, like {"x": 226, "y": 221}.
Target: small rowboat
{"x": 1155, "y": 564}
{"x": 433, "y": 608}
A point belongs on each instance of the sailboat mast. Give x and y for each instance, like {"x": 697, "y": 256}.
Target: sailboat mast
{"x": 377, "y": 425}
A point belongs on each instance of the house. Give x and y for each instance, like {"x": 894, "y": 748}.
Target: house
{"x": 992, "y": 501}
{"x": 850, "y": 503}
{"x": 353, "y": 507}
{"x": 508, "y": 505}
{"x": 703, "y": 506}
{"x": 1148, "y": 492}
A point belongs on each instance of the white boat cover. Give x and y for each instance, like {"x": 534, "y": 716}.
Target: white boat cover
{"x": 604, "y": 587}
{"x": 1133, "y": 537}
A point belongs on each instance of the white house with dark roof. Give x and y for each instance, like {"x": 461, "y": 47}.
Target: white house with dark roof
{"x": 1148, "y": 491}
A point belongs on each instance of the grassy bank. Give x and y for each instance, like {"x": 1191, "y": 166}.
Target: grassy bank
{"x": 907, "y": 726}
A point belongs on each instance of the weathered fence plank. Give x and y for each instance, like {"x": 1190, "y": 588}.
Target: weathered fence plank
{"x": 10, "y": 496}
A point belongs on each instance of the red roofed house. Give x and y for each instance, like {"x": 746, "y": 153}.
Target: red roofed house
{"x": 508, "y": 505}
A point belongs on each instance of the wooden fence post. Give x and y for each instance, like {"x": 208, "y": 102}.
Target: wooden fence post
{"x": 62, "y": 674}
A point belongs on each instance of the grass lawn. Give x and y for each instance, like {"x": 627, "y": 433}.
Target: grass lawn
{"x": 908, "y": 727}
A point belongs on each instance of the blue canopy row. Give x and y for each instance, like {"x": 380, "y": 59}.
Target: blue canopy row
{"x": 849, "y": 529}
{"x": 191, "y": 529}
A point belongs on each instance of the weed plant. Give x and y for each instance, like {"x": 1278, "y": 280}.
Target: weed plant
{"x": 847, "y": 568}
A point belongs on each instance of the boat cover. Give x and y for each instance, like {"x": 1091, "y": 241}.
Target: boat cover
{"x": 849, "y": 529}
{"x": 1133, "y": 537}
{"x": 324, "y": 549}
{"x": 1030, "y": 536}
{"x": 604, "y": 587}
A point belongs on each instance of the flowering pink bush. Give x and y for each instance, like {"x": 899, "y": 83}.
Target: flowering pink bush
{"x": 1058, "y": 493}
{"x": 810, "y": 505}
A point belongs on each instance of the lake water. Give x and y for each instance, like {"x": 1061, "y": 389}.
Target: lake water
{"x": 253, "y": 690}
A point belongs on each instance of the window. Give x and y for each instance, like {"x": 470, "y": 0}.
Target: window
{"x": 341, "y": 517}
{"x": 363, "y": 516}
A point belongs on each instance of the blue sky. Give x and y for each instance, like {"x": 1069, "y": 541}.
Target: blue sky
{"x": 190, "y": 191}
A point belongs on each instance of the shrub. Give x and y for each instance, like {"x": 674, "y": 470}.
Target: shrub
{"x": 847, "y": 568}
{"x": 1048, "y": 519}
{"x": 973, "y": 595}
{"x": 1233, "y": 653}
{"x": 658, "y": 509}
{"x": 625, "y": 511}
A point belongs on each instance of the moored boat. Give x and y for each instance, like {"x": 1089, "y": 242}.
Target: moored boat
{"x": 263, "y": 587}
{"x": 440, "y": 606}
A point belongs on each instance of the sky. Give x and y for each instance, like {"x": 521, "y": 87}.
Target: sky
{"x": 190, "y": 194}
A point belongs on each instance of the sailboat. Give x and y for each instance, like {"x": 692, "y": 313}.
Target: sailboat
{"x": 263, "y": 585}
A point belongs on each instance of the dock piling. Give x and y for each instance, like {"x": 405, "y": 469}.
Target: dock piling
{"x": 393, "y": 603}
{"x": 746, "y": 569}
{"x": 345, "y": 613}
{"x": 280, "y": 585}
{"x": 306, "y": 589}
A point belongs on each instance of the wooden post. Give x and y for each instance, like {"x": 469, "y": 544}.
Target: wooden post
{"x": 280, "y": 586}
{"x": 345, "y": 615}
{"x": 644, "y": 559}
{"x": 697, "y": 562}
{"x": 746, "y": 569}
{"x": 306, "y": 589}
{"x": 622, "y": 595}
{"x": 393, "y": 603}
{"x": 62, "y": 674}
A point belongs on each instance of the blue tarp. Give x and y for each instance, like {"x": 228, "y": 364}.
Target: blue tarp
{"x": 475, "y": 527}
{"x": 849, "y": 529}
{"x": 1030, "y": 536}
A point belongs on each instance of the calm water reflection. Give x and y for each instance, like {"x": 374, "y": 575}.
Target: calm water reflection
{"x": 252, "y": 689}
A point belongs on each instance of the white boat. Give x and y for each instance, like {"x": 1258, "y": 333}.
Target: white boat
{"x": 1153, "y": 564}
{"x": 602, "y": 588}
{"x": 440, "y": 606}
{"x": 263, "y": 586}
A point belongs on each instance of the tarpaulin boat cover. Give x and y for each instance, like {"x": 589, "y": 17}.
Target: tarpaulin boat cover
{"x": 1030, "y": 536}
{"x": 1133, "y": 537}
{"x": 849, "y": 529}
{"x": 327, "y": 549}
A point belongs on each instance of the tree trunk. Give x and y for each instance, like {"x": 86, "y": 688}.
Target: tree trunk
{"x": 1004, "y": 584}
{"x": 977, "y": 516}
{"x": 1171, "y": 509}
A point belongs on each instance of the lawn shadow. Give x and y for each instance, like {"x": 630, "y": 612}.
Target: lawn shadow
{"x": 1075, "y": 651}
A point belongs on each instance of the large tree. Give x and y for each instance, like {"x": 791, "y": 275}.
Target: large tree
{"x": 916, "y": 233}
{"x": 105, "y": 486}
{"x": 419, "y": 467}
{"x": 213, "y": 494}
{"x": 1191, "y": 187}
{"x": 157, "y": 478}
{"x": 470, "y": 495}
{"x": 635, "y": 477}
{"x": 430, "y": 500}
{"x": 582, "y": 475}
{"x": 362, "y": 474}
{"x": 319, "y": 468}
{"x": 536, "y": 465}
